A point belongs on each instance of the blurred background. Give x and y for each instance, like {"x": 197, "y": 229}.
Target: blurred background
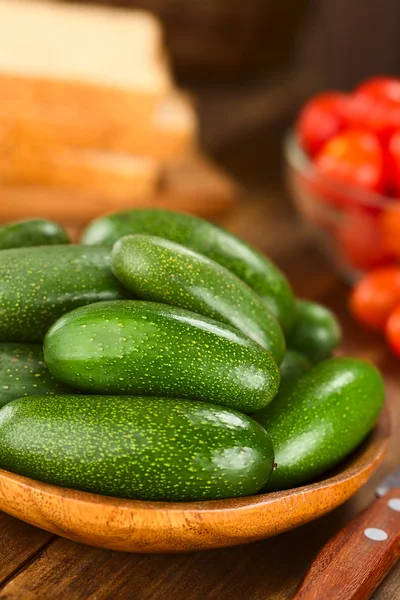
{"x": 253, "y": 63}
{"x": 245, "y": 69}
{"x": 267, "y": 56}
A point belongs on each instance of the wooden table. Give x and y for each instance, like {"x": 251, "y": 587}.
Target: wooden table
{"x": 37, "y": 565}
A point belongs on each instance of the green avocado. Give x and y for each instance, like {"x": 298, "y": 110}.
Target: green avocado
{"x": 23, "y": 372}
{"x": 162, "y": 271}
{"x": 315, "y": 332}
{"x": 292, "y": 366}
{"x": 201, "y": 236}
{"x": 135, "y": 447}
{"x": 32, "y": 232}
{"x": 151, "y": 349}
{"x": 38, "y": 285}
{"x": 320, "y": 418}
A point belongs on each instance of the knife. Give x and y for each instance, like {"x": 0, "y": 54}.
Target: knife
{"x": 354, "y": 562}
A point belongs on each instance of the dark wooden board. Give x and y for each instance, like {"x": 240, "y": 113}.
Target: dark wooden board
{"x": 19, "y": 544}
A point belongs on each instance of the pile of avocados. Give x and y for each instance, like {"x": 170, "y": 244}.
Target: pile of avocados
{"x": 164, "y": 359}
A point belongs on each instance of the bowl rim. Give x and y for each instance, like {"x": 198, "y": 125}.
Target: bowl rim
{"x": 299, "y": 160}
{"x": 164, "y": 527}
{"x": 373, "y": 448}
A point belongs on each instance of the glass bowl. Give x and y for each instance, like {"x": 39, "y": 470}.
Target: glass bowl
{"x": 358, "y": 229}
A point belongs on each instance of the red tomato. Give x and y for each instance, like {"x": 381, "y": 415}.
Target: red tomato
{"x": 389, "y": 172}
{"x": 376, "y": 296}
{"x": 354, "y": 157}
{"x": 389, "y": 224}
{"x": 386, "y": 88}
{"x": 394, "y": 161}
{"x": 321, "y": 118}
{"x": 361, "y": 242}
{"x": 374, "y": 112}
{"x": 393, "y": 330}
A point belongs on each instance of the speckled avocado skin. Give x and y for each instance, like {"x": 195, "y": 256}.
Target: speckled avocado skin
{"x": 38, "y": 285}
{"x": 208, "y": 239}
{"x": 135, "y": 447}
{"x": 160, "y": 270}
{"x": 23, "y": 372}
{"x": 320, "y": 418}
{"x": 146, "y": 348}
{"x": 315, "y": 331}
{"x": 32, "y": 232}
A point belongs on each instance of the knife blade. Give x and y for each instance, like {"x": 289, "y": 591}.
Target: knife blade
{"x": 355, "y": 561}
{"x": 391, "y": 481}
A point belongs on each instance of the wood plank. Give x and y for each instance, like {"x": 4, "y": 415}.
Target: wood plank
{"x": 257, "y": 571}
{"x": 390, "y": 587}
{"x": 19, "y": 543}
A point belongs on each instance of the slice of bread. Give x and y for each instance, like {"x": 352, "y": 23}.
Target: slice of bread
{"x": 82, "y": 44}
{"x": 104, "y": 62}
{"x": 114, "y": 175}
{"x": 70, "y": 208}
{"x": 194, "y": 185}
{"x": 167, "y": 133}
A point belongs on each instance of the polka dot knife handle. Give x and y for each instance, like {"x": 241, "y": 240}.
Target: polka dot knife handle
{"x": 353, "y": 563}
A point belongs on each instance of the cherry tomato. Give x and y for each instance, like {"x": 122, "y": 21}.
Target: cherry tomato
{"x": 374, "y": 112}
{"x": 361, "y": 242}
{"x": 376, "y": 296}
{"x": 354, "y": 157}
{"x": 393, "y": 330}
{"x": 386, "y": 88}
{"x": 394, "y": 161}
{"x": 389, "y": 172}
{"x": 321, "y": 118}
{"x": 389, "y": 225}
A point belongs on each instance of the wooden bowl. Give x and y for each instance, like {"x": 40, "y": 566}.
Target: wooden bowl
{"x": 157, "y": 527}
